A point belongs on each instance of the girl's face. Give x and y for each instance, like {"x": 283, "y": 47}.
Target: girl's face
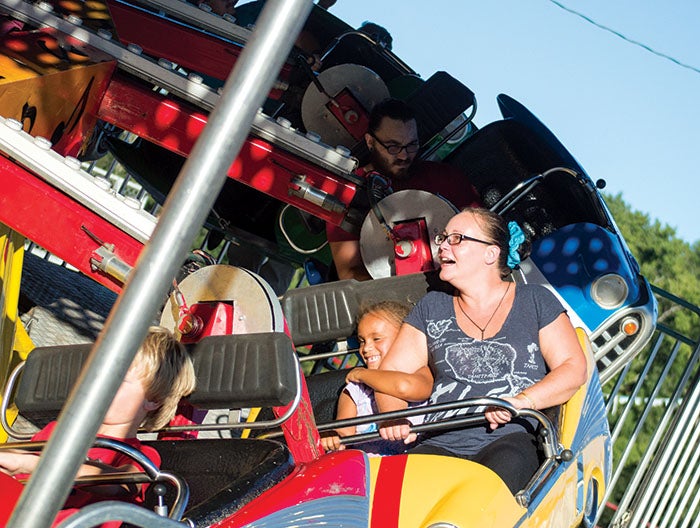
{"x": 376, "y": 334}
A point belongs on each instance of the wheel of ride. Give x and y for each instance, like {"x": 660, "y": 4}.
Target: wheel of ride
{"x": 255, "y": 304}
{"x": 376, "y": 247}
{"x": 366, "y": 87}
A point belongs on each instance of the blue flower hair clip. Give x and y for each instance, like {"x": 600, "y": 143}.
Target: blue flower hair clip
{"x": 517, "y": 237}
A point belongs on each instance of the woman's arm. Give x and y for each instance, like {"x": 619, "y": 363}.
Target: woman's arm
{"x": 567, "y": 371}
{"x": 409, "y": 387}
{"x": 408, "y": 353}
{"x": 566, "y": 361}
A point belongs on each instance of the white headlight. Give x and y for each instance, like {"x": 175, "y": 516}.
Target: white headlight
{"x": 609, "y": 291}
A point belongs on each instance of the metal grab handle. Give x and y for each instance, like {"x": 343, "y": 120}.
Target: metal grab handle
{"x": 9, "y": 389}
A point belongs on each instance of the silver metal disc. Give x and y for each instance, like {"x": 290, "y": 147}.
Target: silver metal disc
{"x": 256, "y": 307}
{"x": 365, "y": 85}
{"x": 376, "y": 247}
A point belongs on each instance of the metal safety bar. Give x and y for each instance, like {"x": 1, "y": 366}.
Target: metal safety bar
{"x": 185, "y": 210}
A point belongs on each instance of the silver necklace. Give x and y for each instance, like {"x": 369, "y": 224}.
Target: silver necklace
{"x": 483, "y": 329}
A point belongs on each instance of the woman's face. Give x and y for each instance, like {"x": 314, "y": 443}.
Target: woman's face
{"x": 376, "y": 334}
{"x": 466, "y": 256}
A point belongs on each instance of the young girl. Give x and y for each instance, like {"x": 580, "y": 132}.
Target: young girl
{"x": 377, "y": 328}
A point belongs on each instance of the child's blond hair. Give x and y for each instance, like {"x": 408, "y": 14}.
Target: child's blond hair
{"x": 167, "y": 373}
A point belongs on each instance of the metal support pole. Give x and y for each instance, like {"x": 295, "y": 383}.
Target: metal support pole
{"x": 189, "y": 202}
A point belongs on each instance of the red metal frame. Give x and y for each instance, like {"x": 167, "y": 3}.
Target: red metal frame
{"x": 412, "y": 247}
{"x": 53, "y": 220}
{"x": 193, "y": 49}
{"x": 176, "y": 126}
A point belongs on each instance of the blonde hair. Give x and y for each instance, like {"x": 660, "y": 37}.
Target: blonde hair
{"x": 166, "y": 372}
{"x": 393, "y": 312}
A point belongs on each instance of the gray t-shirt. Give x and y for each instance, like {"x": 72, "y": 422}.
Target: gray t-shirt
{"x": 465, "y": 367}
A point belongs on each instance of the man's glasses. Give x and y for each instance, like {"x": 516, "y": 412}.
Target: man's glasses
{"x": 454, "y": 239}
{"x": 394, "y": 149}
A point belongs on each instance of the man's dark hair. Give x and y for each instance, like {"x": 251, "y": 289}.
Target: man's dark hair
{"x": 391, "y": 108}
{"x": 378, "y": 33}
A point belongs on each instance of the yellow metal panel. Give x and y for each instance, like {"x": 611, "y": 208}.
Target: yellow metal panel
{"x": 571, "y": 410}
{"x": 15, "y": 344}
{"x": 52, "y": 86}
{"x": 446, "y": 489}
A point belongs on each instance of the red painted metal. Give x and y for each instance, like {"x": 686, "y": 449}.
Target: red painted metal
{"x": 300, "y": 431}
{"x": 53, "y": 220}
{"x": 206, "y": 319}
{"x": 387, "y": 492}
{"x": 10, "y": 490}
{"x": 412, "y": 247}
{"x": 188, "y": 47}
{"x": 350, "y": 113}
{"x": 339, "y": 473}
{"x": 176, "y": 126}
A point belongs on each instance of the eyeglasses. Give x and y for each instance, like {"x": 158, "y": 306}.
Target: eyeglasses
{"x": 454, "y": 239}
{"x": 394, "y": 149}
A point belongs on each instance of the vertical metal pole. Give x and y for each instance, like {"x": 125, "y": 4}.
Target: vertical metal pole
{"x": 190, "y": 200}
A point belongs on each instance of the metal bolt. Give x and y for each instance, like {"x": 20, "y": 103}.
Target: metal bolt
{"x": 13, "y": 124}
{"x": 135, "y": 48}
{"x": 42, "y": 143}
{"x": 73, "y": 163}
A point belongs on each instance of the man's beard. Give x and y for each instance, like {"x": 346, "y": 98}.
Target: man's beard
{"x": 397, "y": 170}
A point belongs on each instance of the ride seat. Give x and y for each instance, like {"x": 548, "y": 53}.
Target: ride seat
{"x": 328, "y": 311}
{"x": 505, "y": 153}
{"x": 223, "y": 474}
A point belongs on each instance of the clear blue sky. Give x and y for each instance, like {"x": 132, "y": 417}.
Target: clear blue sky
{"x": 628, "y": 116}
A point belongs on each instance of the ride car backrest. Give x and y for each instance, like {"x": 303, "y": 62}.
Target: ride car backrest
{"x": 232, "y": 371}
{"x": 505, "y": 153}
{"x": 329, "y": 311}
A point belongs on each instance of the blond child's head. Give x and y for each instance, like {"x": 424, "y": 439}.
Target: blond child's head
{"x": 167, "y": 375}
{"x": 377, "y": 327}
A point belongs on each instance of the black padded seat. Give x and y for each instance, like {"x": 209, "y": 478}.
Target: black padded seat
{"x": 223, "y": 474}
{"x": 232, "y": 371}
{"x": 504, "y": 153}
{"x": 328, "y": 311}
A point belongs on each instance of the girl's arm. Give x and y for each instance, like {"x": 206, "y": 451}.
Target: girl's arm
{"x": 409, "y": 387}
{"x": 346, "y": 409}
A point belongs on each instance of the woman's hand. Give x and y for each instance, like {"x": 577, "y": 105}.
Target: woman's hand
{"x": 497, "y": 416}
{"x": 396, "y": 430}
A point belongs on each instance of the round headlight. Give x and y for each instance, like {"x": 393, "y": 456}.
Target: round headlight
{"x": 609, "y": 291}
{"x": 442, "y": 525}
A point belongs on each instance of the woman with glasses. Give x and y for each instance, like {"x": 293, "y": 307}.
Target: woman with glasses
{"x": 490, "y": 337}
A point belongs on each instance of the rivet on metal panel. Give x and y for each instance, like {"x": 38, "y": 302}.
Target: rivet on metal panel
{"x": 42, "y": 143}
{"x": 135, "y": 48}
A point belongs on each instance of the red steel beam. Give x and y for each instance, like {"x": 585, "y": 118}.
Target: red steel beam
{"x": 55, "y": 221}
{"x": 176, "y": 126}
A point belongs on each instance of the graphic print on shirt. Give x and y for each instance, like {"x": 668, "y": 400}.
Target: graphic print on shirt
{"x": 436, "y": 329}
{"x": 475, "y": 368}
